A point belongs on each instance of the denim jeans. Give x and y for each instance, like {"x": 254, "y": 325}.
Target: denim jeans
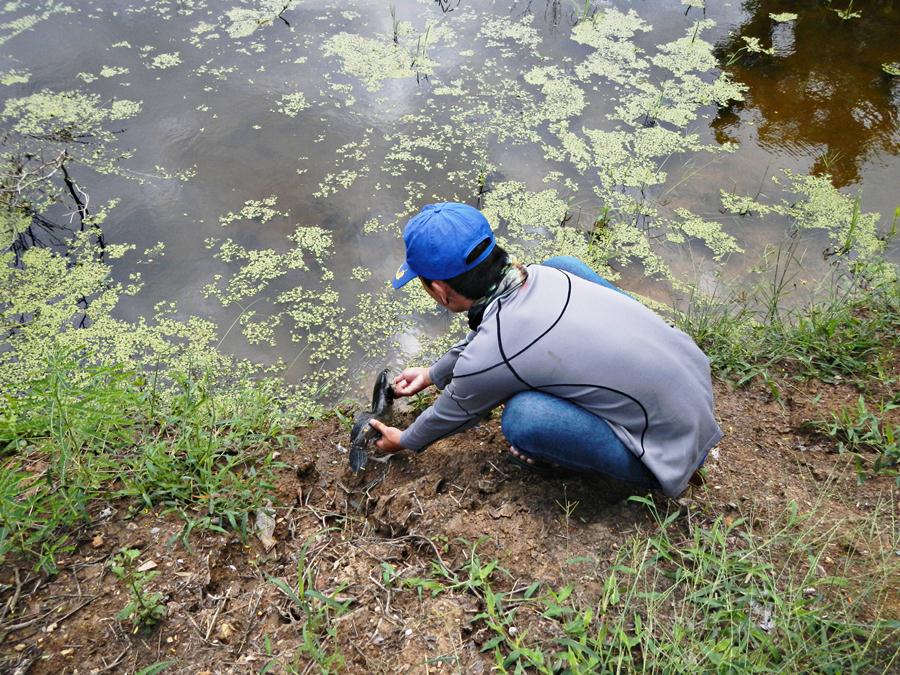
{"x": 553, "y": 430}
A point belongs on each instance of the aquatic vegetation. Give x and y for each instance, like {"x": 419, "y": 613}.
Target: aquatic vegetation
{"x": 13, "y": 222}
{"x": 814, "y": 203}
{"x": 361, "y": 274}
{"x": 752, "y": 45}
{"x": 710, "y": 233}
{"x": 500, "y": 30}
{"x": 254, "y": 209}
{"x": 562, "y": 97}
{"x": 14, "y": 76}
{"x": 847, "y": 12}
{"x": 581, "y": 155}
{"x": 372, "y": 60}
{"x": 615, "y": 56}
{"x": 244, "y": 21}
{"x": 25, "y": 22}
{"x": 163, "y": 61}
{"x": 65, "y": 115}
{"x": 783, "y": 17}
{"x": 292, "y": 104}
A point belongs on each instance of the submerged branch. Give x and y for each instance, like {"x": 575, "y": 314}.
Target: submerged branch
{"x": 73, "y": 192}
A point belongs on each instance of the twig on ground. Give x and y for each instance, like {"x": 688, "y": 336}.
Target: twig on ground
{"x": 115, "y": 662}
{"x": 251, "y": 619}
{"x": 212, "y": 623}
{"x": 10, "y": 606}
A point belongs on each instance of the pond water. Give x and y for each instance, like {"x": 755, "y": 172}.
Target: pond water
{"x": 280, "y": 146}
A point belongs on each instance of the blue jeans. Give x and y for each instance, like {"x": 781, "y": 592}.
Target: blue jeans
{"x": 553, "y": 430}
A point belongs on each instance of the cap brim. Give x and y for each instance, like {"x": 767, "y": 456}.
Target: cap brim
{"x": 404, "y": 275}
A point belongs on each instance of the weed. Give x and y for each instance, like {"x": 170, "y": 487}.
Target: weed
{"x": 144, "y": 609}
{"x": 154, "y": 668}
{"x": 395, "y": 24}
{"x": 858, "y": 428}
{"x": 847, "y": 13}
{"x": 568, "y": 508}
{"x": 68, "y": 424}
{"x": 196, "y": 459}
{"x": 849, "y": 331}
{"x": 713, "y": 596}
{"x": 420, "y": 401}
{"x": 752, "y": 45}
{"x": 418, "y": 61}
{"x": 698, "y": 595}
{"x": 584, "y": 12}
{"x": 313, "y": 610}
{"x": 345, "y": 420}
{"x": 85, "y": 432}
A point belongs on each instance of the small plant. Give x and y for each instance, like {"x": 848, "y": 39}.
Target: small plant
{"x": 584, "y": 12}
{"x": 313, "y": 610}
{"x": 859, "y": 428}
{"x": 568, "y": 508}
{"x": 752, "y": 45}
{"x": 418, "y": 62}
{"x": 395, "y": 25}
{"x": 847, "y": 13}
{"x": 484, "y": 170}
{"x": 144, "y": 609}
{"x": 420, "y": 401}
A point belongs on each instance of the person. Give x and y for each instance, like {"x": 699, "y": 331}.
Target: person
{"x": 592, "y": 380}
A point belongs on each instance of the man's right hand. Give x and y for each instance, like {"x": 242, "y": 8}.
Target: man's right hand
{"x": 411, "y": 381}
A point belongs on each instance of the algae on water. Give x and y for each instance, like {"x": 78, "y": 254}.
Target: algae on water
{"x": 576, "y": 155}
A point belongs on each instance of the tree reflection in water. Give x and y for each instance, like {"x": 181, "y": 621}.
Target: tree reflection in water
{"x": 823, "y": 92}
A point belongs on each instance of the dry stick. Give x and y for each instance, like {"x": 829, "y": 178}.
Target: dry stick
{"x": 26, "y": 624}
{"x": 197, "y": 629}
{"x": 116, "y": 662}
{"x": 10, "y": 628}
{"x": 250, "y": 622}
{"x": 77, "y": 583}
{"x": 216, "y": 615}
{"x": 11, "y": 603}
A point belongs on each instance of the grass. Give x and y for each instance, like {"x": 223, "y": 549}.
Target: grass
{"x": 86, "y": 433}
{"x": 861, "y": 429}
{"x": 313, "y": 611}
{"x": 850, "y": 331}
{"x": 699, "y": 594}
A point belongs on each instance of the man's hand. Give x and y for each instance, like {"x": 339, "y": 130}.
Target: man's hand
{"x": 411, "y": 381}
{"x": 390, "y": 437}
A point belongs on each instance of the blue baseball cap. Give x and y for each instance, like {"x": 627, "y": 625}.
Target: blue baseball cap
{"x": 439, "y": 239}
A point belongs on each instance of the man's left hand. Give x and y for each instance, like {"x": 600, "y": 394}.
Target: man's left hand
{"x": 390, "y": 437}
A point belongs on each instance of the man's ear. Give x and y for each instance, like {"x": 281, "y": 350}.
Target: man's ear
{"x": 442, "y": 290}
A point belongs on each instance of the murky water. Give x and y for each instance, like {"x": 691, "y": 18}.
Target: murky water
{"x": 342, "y": 118}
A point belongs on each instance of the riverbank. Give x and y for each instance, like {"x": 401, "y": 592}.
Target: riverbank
{"x": 455, "y": 560}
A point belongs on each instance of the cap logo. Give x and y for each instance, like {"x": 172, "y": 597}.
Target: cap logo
{"x": 399, "y": 274}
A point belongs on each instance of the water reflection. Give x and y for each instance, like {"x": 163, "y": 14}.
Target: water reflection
{"x": 822, "y": 91}
{"x": 447, "y": 5}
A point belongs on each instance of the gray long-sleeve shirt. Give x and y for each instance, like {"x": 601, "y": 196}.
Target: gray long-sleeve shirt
{"x": 589, "y": 344}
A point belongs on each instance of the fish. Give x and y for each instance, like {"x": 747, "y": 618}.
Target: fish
{"x": 363, "y": 435}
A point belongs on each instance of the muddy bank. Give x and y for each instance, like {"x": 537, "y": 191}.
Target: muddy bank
{"x": 373, "y": 540}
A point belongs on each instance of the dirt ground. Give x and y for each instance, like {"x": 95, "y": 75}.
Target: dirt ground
{"x": 224, "y": 615}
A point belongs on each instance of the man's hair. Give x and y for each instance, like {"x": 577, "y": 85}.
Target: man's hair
{"x": 476, "y": 282}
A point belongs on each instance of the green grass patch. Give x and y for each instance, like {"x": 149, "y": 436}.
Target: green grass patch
{"x": 314, "y": 611}
{"x": 850, "y": 334}
{"x": 84, "y": 433}
{"x": 727, "y": 594}
{"x": 863, "y": 430}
